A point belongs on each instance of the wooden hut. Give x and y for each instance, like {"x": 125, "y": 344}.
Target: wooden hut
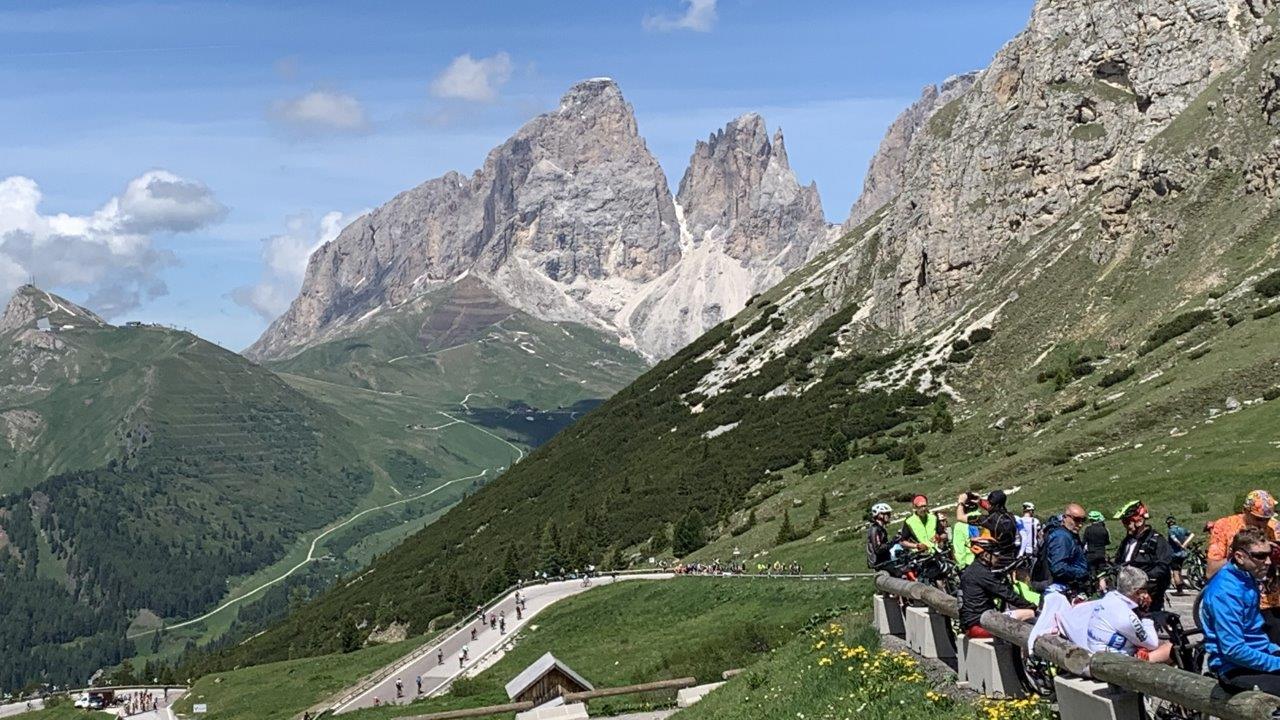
{"x": 546, "y": 679}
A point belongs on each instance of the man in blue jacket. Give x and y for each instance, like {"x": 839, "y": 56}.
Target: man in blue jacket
{"x": 1240, "y": 653}
{"x": 1063, "y": 565}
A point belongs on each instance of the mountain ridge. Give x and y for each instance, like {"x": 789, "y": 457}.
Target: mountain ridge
{"x": 570, "y": 220}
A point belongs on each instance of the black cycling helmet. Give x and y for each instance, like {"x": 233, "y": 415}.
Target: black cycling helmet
{"x": 1170, "y": 521}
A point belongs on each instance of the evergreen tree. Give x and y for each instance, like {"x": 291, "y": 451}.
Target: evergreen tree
{"x": 510, "y": 569}
{"x": 659, "y": 541}
{"x": 837, "y": 448}
{"x": 785, "y": 531}
{"x": 817, "y": 522}
{"x": 349, "y": 638}
{"x": 550, "y": 550}
{"x": 810, "y": 465}
{"x": 823, "y": 510}
{"x": 911, "y": 462}
{"x": 690, "y": 534}
{"x": 941, "y": 420}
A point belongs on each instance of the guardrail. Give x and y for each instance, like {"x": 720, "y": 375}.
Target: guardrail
{"x": 1180, "y": 687}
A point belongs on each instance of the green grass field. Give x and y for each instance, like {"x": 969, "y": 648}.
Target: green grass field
{"x": 631, "y": 632}
{"x": 283, "y": 689}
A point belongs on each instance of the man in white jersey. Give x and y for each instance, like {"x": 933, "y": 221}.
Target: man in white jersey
{"x": 1114, "y": 626}
{"x": 1028, "y": 530}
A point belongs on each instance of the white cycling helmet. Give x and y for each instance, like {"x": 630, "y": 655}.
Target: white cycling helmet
{"x": 1028, "y": 506}
{"x": 881, "y": 509}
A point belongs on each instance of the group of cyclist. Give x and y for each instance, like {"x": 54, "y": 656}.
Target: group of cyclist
{"x": 1058, "y": 574}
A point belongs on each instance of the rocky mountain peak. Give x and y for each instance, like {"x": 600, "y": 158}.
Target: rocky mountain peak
{"x": 572, "y": 220}
{"x": 30, "y": 305}
{"x": 885, "y": 175}
{"x": 739, "y": 191}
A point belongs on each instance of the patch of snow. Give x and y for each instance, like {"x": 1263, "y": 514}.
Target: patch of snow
{"x": 718, "y": 431}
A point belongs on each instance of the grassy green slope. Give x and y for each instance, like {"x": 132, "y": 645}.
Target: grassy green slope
{"x": 631, "y": 632}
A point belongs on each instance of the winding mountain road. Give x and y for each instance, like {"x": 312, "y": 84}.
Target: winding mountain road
{"x": 438, "y": 663}
{"x": 311, "y": 551}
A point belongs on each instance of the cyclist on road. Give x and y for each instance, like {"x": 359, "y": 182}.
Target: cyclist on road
{"x": 399, "y": 688}
{"x": 1145, "y": 549}
{"x": 1179, "y": 540}
{"x": 982, "y": 590}
{"x": 1239, "y": 652}
{"x": 920, "y": 528}
{"x": 878, "y": 536}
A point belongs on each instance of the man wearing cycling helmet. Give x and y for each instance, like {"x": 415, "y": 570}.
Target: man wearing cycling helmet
{"x": 878, "y": 544}
{"x": 982, "y": 590}
{"x": 1258, "y": 511}
{"x": 1096, "y": 541}
{"x": 920, "y": 529}
{"x": 1145, "y": 549}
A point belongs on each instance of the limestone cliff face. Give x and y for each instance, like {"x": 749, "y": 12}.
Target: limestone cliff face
{"x": 1058, "y": 120}
{"x": 740, "y": 193}
{"x": 888, "y": 166}
{"x": 572, "y": 220}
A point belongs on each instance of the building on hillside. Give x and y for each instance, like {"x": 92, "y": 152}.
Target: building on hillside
{"x": 546, "y": 679}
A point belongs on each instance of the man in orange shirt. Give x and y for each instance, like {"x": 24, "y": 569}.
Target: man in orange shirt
{"x": 1258, "y": 512}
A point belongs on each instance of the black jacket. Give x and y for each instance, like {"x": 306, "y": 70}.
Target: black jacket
{"x": 981, "y": 590}
{"x": 1152, "y": 554}
{"x": 1003, "y": 526}
{"x": 1096, "y": 540}
{"x": 877, "y": 545}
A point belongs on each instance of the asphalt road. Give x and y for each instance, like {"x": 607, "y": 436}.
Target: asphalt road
{"x": 485, "y": 649}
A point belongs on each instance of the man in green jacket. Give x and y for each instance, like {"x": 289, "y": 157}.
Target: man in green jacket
{"x": 963, "y": 532}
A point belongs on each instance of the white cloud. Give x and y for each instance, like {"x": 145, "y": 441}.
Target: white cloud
{"x": 473, "y": 80}
{"x": 699, "y": 16}
{"x": 284, "y": 259}
{"x": 320, "y": 112}
{"x": 109, "y": 253}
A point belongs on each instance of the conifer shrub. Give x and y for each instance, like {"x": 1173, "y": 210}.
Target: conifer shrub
{"x": 960, "y": 345}
{"x": 1117, "y": 376}
{"x": 1271, "y": 393}
{"x": 1178, "y": 326}
{"x": 1043, "y": 417}
{"x": 786, "y": 533}
{"x": 1269, "y": 286}
{"x": 959, "y": 357}
{"x": 911, "y": 462}
{"x": 1266, "y": 312}
{"x": 1197, "y": 354}
{"x": 980, "y": 335}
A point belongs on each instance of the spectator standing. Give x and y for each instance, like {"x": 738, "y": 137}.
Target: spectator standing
{"x": 1096, "y": 541}
{"x": 1028, "y": 530}
{"x": 1145, "y": 549}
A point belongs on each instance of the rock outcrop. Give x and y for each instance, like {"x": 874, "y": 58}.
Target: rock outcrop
{"x": 572, "y": 220}
{"x": 888, "y": 166}
{"x": 1058, "y": 121}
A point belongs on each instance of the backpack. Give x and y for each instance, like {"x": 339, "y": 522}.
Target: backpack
{"x": 1041, "y": 574}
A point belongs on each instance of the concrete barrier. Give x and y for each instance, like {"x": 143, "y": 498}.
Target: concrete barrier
{"x": 888, "y": 615}
{"x": 689, "y": 696}
{"x": 990, "y": 667}
{"x": 1080, "y": 699}
{"x": 928, "y": 634}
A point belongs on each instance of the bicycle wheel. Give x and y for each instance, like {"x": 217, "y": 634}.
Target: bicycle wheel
{"x": 1036, "y": 676}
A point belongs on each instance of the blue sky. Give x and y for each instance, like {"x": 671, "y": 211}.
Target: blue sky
{"x": 267, "y": 117}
